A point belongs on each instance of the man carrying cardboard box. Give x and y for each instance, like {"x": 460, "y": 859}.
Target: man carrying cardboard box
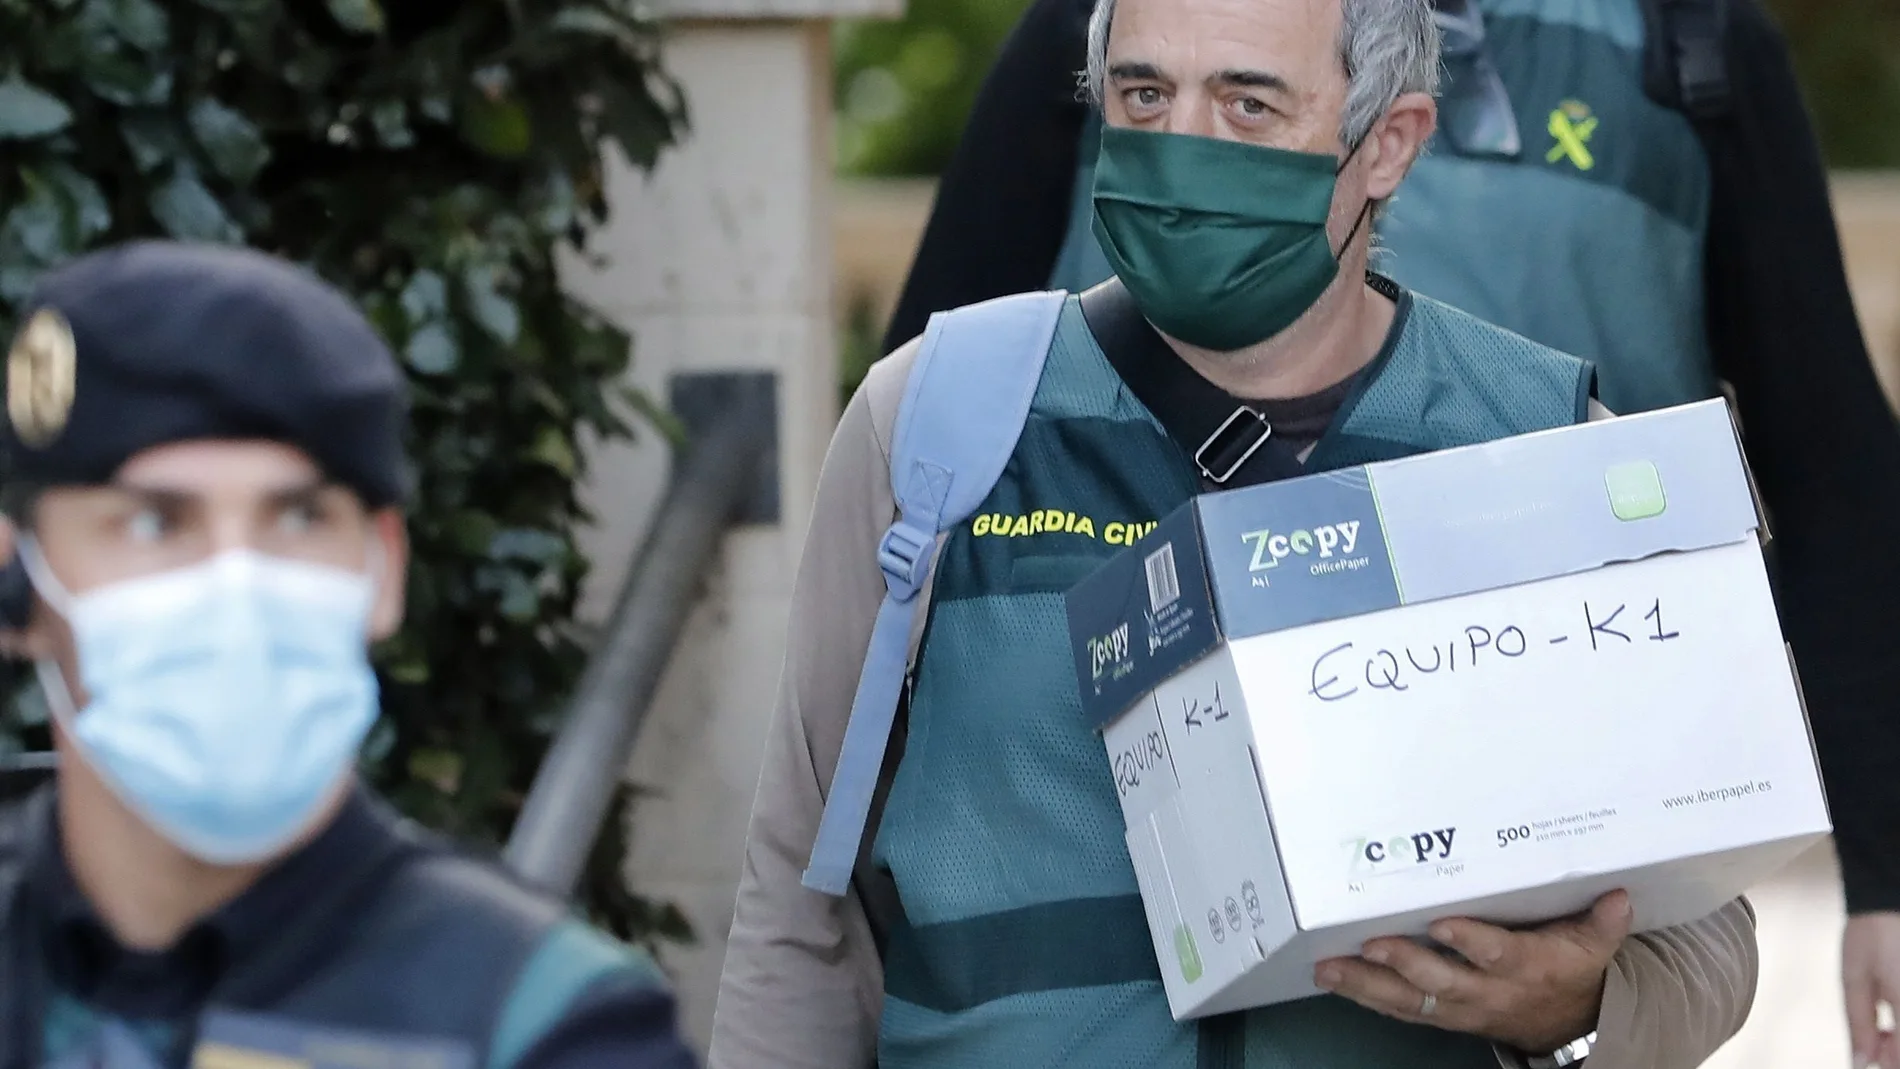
{"x": 991, "y": 915}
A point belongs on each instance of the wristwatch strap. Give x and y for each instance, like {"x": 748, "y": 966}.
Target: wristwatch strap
{"x": 1571, "y": 1053}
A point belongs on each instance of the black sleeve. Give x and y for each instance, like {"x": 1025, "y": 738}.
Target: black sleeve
{"x": 1003, "y": 202}
{"x": 623, "y": 1022}
{"x": 1823, "y": 443}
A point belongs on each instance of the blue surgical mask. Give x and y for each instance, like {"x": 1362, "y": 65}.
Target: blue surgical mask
{"x": 227, "y": 699}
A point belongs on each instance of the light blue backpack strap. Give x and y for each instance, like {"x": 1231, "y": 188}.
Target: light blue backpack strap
{"x": 964, "y": 407}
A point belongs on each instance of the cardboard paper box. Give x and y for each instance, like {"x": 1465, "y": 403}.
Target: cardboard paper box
{"x": 1494, "y": 682}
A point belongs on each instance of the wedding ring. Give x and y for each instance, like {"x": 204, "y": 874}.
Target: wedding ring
{"x": 1427, "y": 1007}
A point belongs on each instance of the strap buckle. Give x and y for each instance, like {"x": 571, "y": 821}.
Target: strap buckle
{"x": 1232, "y": 439}
{"x": 1704, "y": 73}
{"x": 904, "y": 557}
{"x": 1460, "y": 27}
{"x": 1696, "y": 44}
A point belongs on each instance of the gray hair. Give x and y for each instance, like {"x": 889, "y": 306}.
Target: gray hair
{"x": 1388, "y": 47}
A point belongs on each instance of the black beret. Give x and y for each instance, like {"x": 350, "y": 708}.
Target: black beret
{"x": 154, "y": 342}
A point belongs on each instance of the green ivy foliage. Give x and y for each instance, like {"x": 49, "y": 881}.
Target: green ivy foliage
{"x": 429, "y": 156}
{"x": 1847, "y": 54}
{"x": 903, "y": 88}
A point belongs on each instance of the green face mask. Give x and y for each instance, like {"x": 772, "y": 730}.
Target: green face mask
{"x": 1222, "y": 244}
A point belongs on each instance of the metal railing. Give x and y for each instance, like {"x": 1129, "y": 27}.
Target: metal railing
{"x": 574, "y": 788}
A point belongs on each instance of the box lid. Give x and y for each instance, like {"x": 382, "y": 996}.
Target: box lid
{"x": 1265, "y": 558}
{"x": 1473, "y": 519}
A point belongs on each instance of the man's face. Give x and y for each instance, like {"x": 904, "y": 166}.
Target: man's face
{"x": 1266, "y": 72}
{"x": 179, "y": 505}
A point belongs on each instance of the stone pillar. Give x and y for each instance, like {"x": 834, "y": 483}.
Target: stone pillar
{"x": 720, "y": 260}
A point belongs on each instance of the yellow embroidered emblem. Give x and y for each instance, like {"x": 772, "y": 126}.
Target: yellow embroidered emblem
{"x": 1572, "y": 125}
{"x": 41, "y": 369}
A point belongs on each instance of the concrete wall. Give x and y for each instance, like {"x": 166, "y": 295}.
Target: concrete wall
{"x": 721, "y": 260}
{"x": 879, "y": 223}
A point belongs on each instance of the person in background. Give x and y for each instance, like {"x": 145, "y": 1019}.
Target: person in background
{"x": 1247, "y": 144}
{"x": 1632, "y": 181}
{"x": 204, "y": 534}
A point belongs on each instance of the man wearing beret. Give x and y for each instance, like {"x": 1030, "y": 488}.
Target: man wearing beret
{"x": 203, "y": 518}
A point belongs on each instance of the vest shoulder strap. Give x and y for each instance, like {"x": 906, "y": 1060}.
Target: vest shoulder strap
{"x": 1453, "y": 380}
{"x": 964, "y": 406}
{"x": 1685, "y": 56}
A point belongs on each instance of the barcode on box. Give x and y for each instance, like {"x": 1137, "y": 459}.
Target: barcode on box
{"x": 1164, "y": 586}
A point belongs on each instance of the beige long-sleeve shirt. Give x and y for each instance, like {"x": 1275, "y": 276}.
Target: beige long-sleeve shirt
{"x": 803, "y": 985}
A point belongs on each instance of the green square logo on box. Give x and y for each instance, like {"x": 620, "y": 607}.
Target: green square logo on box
{"x": 1189, "y": 954}
{"x": 1636, "y": 491}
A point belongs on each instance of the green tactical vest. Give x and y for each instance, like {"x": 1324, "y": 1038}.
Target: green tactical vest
{"x": 1023, "y": 941}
